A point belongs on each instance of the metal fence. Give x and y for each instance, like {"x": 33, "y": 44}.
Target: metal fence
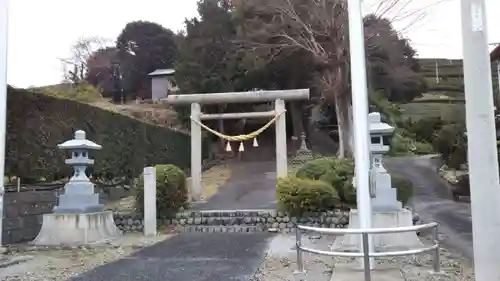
{"x": 365, "y": 254}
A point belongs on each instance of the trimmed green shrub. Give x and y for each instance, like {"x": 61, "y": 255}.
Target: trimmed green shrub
{"x": 297, "y": 196}
{"x": 37, "y": 123}
{"x": 336, "y": 172}
{"x": 171, "y": 191}
{"x": 404, "y": 187}
{"x": 339, "y": 174}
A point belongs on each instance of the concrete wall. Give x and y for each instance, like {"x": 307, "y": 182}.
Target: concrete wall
{"x": 23, "y": 213}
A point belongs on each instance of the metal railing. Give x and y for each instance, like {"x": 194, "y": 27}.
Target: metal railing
{"x": 365, "y": 254}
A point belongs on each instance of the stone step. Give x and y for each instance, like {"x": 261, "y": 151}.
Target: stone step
{"x": 223, "y": 221}
{"x": 228, "y": 213}
{"x": 233, "y": 228}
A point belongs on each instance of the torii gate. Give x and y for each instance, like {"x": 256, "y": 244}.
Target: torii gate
{"x": 197, "y": 116}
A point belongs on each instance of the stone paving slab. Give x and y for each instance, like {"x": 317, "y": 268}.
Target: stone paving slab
{"x": 190, "y": 256}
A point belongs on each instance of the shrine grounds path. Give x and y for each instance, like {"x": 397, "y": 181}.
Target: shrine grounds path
{"x": 189, "y": 257}
{"x": 206, "y": 256}
{"x": 433, "y": 202}
{"x": 252, "y": 186}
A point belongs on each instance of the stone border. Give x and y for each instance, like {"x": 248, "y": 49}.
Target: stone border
{"x": 236, "y": 221}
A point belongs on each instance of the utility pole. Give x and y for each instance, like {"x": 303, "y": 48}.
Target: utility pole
{"x": 482, "y": 150}
{"x": 437, "y": 73}
{"x": 360, "y": 117}
{"x": 3, "y": 101}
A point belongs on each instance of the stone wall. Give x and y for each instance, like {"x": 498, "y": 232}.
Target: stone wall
{"x": 236, "y": 221}
{"x": 23, "y": 213}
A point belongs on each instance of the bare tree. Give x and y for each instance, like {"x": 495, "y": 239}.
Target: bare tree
{"x": 319, "y": 27}
{"x": 75, "y": 67}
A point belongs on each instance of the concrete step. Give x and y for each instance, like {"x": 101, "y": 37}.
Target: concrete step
{"x": 221, "y": 221}
{"x": 232, "y": 228}
{"x": 231, "y": 221}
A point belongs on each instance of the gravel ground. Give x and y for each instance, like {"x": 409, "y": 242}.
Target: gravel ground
{"x": 280, "y": 263}
{"x": 59, "y": 264}
{"x": 453, "y": 266}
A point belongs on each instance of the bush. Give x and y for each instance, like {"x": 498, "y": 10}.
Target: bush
{"x": 405, "y": 144}
{"x": 171, "y": 192}
{"x": 451, "y": 144}
{"x": 426, "y": 128}
{"x": 82, "y": 92}
{"x": 336, "y": 172}
{"x": 404, "y": 187}
{"x": 36, "y": 123}
{"x": 462, "y": 186}
{"x": 339, "y": 173}
{"x": 297, "y": 196}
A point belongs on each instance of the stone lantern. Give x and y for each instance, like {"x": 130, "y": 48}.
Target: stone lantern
{"x": 385, "y": 197}
{"x": 78, "y": 219}
{"x": 387, "y": 210}
{"x": 303, "y": 154}
{"x": 380, "y": 134}
{"x": 79, "y": 196}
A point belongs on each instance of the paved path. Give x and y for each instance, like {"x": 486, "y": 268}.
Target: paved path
{"x": 433, "y": 202}
{"x": 190, "y": 257}
{"x": 252, "y": 186}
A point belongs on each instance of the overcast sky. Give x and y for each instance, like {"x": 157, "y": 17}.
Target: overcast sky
{"x": 40, "y": 32}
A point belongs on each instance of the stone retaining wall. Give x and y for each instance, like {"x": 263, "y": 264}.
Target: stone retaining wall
{"x": 23, "y": 213}
{"x": 237, "y": 221}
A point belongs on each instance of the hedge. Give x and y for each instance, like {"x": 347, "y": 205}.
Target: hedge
{"x": 36, "y": 123}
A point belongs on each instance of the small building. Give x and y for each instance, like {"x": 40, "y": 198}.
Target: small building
{"x": 162, "y": 83}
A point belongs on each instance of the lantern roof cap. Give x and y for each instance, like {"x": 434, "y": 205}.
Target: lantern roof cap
{"x": 376, "y": 126}
{"x": 79, "y": 142}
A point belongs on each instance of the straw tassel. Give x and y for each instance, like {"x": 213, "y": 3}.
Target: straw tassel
{"x": 241, "y": 148}
{"x": 228, "y": 146}
{"x": 255, "y": 143}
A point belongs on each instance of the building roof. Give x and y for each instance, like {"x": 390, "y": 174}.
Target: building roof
{"x": 495, "y": 54}
{"x": 162, "y": 72}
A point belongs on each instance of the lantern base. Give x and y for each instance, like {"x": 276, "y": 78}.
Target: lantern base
{"x": 381, "y": 242}
{"x": 79, "y": 197}
{"x": 70, "y": 229}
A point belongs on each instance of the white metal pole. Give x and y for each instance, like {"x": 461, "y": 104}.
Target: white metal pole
{"x": 3, "y": 101}
{"x": 482, "y": 150}
{"x": 360, "y": 116}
